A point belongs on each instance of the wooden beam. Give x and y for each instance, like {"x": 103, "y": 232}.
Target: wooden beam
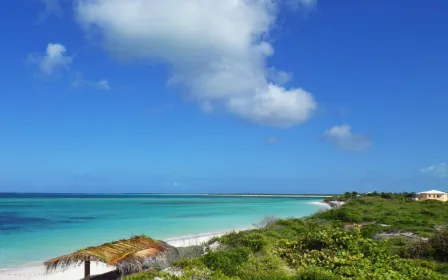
{"x": 87, "y": 270}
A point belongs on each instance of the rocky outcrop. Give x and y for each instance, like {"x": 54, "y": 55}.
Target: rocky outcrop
{"x": 173, "y": 271}
{"x": 335, "y": 203}
{"x": 408, "y": 235}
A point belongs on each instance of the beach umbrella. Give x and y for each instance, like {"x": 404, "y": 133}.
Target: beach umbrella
{"x": 127, "y": 255}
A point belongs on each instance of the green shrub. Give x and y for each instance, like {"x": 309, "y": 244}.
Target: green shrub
{"x": 348, "y": 216}
{"x": 341, "y": 214}
{"x": 147, "y": 275}
{"x": 188, "y": 263}
{"x": 314, "y": 273}
{"x": 268, "y": 266}
{"x": 371, "y": 230}
{"x": 253, "y": 240}
{"x": 397, "y": 246}
{"x": 441, "y": 268}
{"x": 439, "y": 243}
{"x": 419, "y": 250}
{"x": 349, "y": 255}
{"x": 228, "y": 262}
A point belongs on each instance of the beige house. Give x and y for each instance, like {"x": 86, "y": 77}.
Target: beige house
{"x": 432, "y": 194}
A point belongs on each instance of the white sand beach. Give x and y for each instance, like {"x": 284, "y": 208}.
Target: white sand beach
{"x": 326, "y": 205}
{"x": 76, "y": 273}
{"x": 198, "y": 239}
{"x": 38, "y": 273}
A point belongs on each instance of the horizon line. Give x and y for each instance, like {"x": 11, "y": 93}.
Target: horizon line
{"x": 158, "y": 193}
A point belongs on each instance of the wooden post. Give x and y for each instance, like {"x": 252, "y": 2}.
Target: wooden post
{"x": 87, "y": 270}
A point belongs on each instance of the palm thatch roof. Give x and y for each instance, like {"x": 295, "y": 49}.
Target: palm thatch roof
{"x": 128, "y": 255}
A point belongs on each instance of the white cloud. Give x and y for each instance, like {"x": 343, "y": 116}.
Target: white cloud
{"x": 81, "y": 82}
{"x": 279, "y": 77}
{"x": 439, "y": 170}
{"x": 54, "y": 58}
{"x": 274, "y": 106}
{"x": 217, "y": 51}
{"x": 345, "y": 139}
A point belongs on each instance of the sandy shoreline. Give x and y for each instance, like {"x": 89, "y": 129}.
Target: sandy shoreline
{"x": 38, "y": 272}
{"x": 320, "y": 203}
{"x": 198, "y": 239}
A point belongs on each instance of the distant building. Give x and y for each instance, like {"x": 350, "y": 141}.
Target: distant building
{"x": 432, "y": 194}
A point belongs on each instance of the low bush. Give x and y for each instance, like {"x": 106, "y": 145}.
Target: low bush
{"x": 419, "y": 250}
{"x": 315, "y": 273}
{"x": 349, "y": 255}
{"x": 439, "y": 243}
{"x": 371, "y": 230}
{"x": 143, "y": 276}
{"x": 228, "y": 262}
{"x": 253, "y": 240}
{"x": 268, "y": 266}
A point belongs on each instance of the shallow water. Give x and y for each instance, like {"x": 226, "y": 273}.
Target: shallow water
{"x": 38, "y": 227}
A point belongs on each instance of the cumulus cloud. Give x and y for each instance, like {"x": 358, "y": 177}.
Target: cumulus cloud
{"x": 217, "y": 51}
{"x": 81, "y": 82}
{"x": 54, "y": 58}
{"x": 438, "y": 170}
{"x": 345, "y": 139}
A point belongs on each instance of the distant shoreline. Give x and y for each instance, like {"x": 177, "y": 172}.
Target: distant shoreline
{"x": 274, "y": 195}
{"x": 173, "y": 194}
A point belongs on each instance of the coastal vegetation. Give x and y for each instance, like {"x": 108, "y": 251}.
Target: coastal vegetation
{"x": 373, "y": 236}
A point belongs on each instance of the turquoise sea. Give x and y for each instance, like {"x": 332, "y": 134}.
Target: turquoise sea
{"x": 36, "y": 227}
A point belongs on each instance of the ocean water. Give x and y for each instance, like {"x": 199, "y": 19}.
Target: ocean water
{"x": 34, "y": 228}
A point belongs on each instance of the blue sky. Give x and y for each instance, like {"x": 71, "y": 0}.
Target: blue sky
{"x": 296, "y": 96}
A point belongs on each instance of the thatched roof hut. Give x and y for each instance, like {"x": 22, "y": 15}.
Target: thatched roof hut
{"x": 128, "y": 255}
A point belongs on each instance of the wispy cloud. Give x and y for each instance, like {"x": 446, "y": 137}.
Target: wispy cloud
{"x": 81, "y": 82}
{"x": 55, "y": 57}
{"x": 438, "y": 170}
{"x": 345, "y": 139}
{"x": 223, "y": 70}
{"x": 278, "y": 76}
